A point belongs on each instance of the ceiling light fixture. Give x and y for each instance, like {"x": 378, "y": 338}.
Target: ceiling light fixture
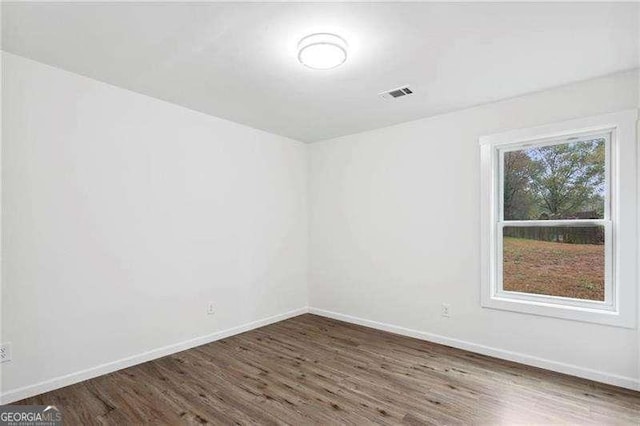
{"x": 322, "y": 51}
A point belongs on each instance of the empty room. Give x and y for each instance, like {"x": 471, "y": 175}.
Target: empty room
{"x": 320, "y": 213}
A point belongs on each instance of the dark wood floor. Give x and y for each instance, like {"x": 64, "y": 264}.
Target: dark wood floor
{"x": 313, "y": 370}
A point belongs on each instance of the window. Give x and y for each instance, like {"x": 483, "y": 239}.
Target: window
{"x": 559, "y": 220}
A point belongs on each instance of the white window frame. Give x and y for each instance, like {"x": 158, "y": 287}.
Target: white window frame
{"x": 620, "y": 221}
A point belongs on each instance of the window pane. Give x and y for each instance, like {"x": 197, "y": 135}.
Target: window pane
{"x": 554, "y": 260}
{"x": 565, "y": 181}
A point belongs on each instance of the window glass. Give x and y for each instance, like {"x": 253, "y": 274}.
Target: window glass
{"x": 566, "y": 261}
{"x": 563, "y": 181}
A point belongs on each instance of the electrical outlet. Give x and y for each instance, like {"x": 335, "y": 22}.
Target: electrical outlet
{"x": 210, "y": 309}
{"x": 446, "y": 310}
{"x": 5, "y": 352}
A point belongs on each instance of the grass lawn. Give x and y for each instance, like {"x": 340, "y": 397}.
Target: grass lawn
{"x": 556, "y": 269}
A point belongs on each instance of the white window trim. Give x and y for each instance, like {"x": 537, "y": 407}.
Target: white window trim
{"x": 619, "y": 308}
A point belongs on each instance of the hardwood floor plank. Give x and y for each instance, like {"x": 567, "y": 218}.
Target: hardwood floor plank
{"x": 315, "y": 370}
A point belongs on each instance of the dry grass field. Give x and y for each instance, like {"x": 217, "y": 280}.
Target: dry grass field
{"x": 557, "y": 269}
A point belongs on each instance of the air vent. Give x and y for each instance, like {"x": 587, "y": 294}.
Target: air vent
{"x": 397, "y": 93}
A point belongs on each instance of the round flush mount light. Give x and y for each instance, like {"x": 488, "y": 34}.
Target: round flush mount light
{"x": 322, "y": 51}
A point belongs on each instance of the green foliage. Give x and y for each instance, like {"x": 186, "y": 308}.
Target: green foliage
{"x": 556, "y": 181}
{"x": 518, "y": 201}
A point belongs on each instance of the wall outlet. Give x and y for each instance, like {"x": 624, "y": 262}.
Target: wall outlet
{"x": 446, "y": 310}
{"x": 5, "y": 352}
{"x": 210, "y": 309}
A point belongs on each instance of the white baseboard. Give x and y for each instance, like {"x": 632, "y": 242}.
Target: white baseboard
{"x": 560, "y": 367}
{"x": 110, "y": 367}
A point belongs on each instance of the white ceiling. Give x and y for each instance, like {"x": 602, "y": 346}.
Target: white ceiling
{"x": 238, "y": 60}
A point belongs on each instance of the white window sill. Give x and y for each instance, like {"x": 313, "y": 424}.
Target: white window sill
{"x": 599, "y": 313}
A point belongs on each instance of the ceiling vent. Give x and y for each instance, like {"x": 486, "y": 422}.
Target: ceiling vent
{"x": 400, "y": 92}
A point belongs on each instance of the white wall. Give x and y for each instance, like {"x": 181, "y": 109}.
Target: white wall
{"x": 124, "y": 215}
{"x": 394, "y": 225}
